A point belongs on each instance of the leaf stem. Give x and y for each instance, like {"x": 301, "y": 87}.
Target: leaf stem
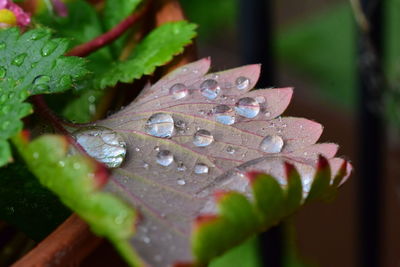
{"x": 110, "y": 36}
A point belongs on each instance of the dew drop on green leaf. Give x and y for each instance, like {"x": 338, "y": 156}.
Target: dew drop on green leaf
{"x": 19, "y": 60}
{"x": 38, "y": 35}
{"x": 48, "y": 48}
{"x": 2, "y": 45}
{"x": 33, "y": 65}
{"x": 41, "y": 79}
{"x": 66, "y": 81}
{"x": 2, "y": 72}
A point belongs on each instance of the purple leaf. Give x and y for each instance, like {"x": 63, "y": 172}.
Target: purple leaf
{"x": 192, "y": 134}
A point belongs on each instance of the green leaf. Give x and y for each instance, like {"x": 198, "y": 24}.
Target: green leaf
{"x": 81, "y": 25}
{"x": 117, "y": 10}
{"x": 238, "y": 218}
{"x": 31, "y": 63}
{"x": 155, "y": 50}
{"x": 294, "y": 188}
{"x": 76, "y": 180}
{"x": 269, "y": 196}
{"x": 321, "y": 181}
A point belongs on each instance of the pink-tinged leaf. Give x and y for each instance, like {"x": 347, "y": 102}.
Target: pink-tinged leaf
{"x": 191, "y": 135}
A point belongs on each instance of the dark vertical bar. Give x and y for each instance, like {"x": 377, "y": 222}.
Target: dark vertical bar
{"x": 256, "y": 41}
{"x": 256, "y": 37}
{"x": 372, "y": 132}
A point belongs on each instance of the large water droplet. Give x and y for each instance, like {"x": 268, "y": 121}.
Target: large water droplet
{"x": 2, "y": 72}
{"x": 202, "y": 138}
{"x": 19, "y": 60}
{"x": 242, "y": 83}
{"x": 160, "y": 125}
{"x": 48, "y": 48}
{"x": 272, "y": 144}
{"x": 164, "y": 158}
{"x": 200, "y": 168}
{"x": 222, "y": 114}
{"x": 103, "y": 144}
{"x": 179, "y": 90}
{"x": 247, "y": 107}
{"x": 210, "y": 88}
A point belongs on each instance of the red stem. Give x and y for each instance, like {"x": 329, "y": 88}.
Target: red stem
{"x": 110, "y": 36}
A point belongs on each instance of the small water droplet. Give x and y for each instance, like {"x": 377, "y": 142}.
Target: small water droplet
{"x": 103, "y": 144}
{"x": 210, "y": 88}
{"x": 180, "y": 126}
{"x": 185, "y": 69}
{"x": 247, "y": 107}
{"x": 19, "y": 60}
{"x": 220, "y": 117}
{"x": 76, "y": 166}
{"x": 2, "y": 45}
{"x": 242, "y": 83}
{"x": 272, "y": 144}
{"x": 181, "y": 182}
{"x": 164, "y": 158}
{"x": 225, "y": 119}
{"x": 181, "y": 167}
{"x": 179, "y": 91}
{"x": 137, "y": 149}
{"x": 200, "y": 168}
{"x": 61, "y": 163}
{"x": 2, "y": 72}
{"x": 215, "y": 76}
{"x": 48, "y": 48}
{"x": 260, "y": 99}
{"x": 157, "y": 148}
{"x": 146, "y": 166}
{"x": 221, "y": 109}
{"x": 35, "y": 155}
{"x": 38, "y": 34}
{"x": 202, "y": 138}
{"x": 230, "y": 150}
{"x": 146, "y": 239}
{"x": 160, "y": 125}
{"x": 267, "y": 114}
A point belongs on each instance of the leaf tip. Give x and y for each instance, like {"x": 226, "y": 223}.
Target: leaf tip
{"x": 253, "y": 175}
{"x": 322, "y": 163}
{"x": 101, "y": 175}
{"x": 204, "y": 219}
{"x": 289, "y": 169}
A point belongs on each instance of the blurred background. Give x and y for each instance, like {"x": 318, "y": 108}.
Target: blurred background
{"x": 346, "y": 79}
